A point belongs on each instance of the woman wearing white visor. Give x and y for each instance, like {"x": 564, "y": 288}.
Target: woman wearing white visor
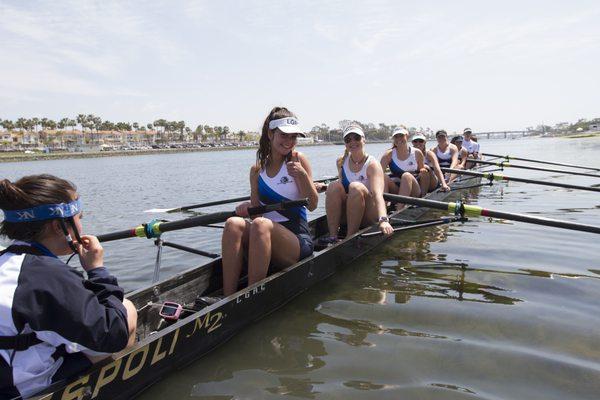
{"x": 436, "y": 176}
{"x": 357, "y": 196}
{"x": 408, "y": 176}
{"x": 277, "y": 238}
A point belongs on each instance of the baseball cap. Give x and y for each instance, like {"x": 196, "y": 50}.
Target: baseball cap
{"x": 467, "y": 130}
{"x": 441, "y": 132}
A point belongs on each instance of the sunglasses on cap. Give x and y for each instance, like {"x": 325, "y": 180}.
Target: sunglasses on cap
{"x": 353, "y": 136}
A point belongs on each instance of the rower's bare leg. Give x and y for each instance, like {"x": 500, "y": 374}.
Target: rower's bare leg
{"x": 389, "y": 185}
{"x": 235, "y": 238}
{"x": 355, "y": 206}
{"x": 371, "y": 211}
{"x": 334, "y": 204}
{"x": 408, "y": 187}
{"x": 433, "y": 181}
{"x": 268, "y": 242}
{"x": 424, "y": 179}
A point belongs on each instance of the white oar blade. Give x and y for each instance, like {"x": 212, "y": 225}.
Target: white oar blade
{"x": 159, "y": 210}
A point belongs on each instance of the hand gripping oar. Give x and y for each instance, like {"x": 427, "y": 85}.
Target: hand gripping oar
{"x": 215, "y": 203}
{"x": 155, "y": 228}
{"x": 458, "y": 208}
{"x": 503, "y": 164}
{"x": 508, "y": 158}
{"x": 500, "y": 177}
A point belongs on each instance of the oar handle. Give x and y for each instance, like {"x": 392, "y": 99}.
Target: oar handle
{"x": 154, "y": 228}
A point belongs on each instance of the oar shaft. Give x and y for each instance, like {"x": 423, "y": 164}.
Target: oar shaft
{"x": 211, "y": 203}
{"x": 501, "y": 177}
{"x": 506, "y": 164}
{"x": 156, "y": 228}
{"x": 507, "y": 158}
{"x": 470, "y": 210}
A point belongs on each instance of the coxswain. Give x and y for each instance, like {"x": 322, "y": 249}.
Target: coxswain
{"x": 408, "y": 175}
{"x": 446, "y": 153}
{"x": 276, "y": 239}
{"x": 54, "y": 323}
{"x": 357, "y": 196}
{"x": 436, "y": 176}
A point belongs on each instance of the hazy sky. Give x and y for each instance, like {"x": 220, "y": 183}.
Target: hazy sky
{"x": 442, "y": 64}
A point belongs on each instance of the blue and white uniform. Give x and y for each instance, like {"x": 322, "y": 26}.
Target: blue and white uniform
{"x": 348, "y": 176}
{"x": 61, "y": 316}
{"x": 283, "y": 187}
{"x": 399, "y": 167}
{"x": 444, "y": 158}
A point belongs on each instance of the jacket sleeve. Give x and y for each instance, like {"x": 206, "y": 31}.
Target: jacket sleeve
{"x": 56, "y": 302}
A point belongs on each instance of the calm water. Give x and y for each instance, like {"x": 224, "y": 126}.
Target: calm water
{"x": 487, "y": 309}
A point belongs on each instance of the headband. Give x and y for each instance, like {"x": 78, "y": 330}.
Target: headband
{"x": 44, "y": 212}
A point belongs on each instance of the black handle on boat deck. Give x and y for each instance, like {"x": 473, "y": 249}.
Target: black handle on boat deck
{"x": 155, "y": 228}
{"x": 476, "y": 211}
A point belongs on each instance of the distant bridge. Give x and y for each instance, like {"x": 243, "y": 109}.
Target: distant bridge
{"x": 504, "y": 134}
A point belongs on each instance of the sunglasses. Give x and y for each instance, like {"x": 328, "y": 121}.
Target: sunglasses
{"x": 418, "y": 141}
{"x": 351, "y": 137}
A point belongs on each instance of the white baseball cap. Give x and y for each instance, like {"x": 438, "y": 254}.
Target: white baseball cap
{"x": 418, "y": 136}
{"x": 354, "y": 129}
{"x": 287, "y": 125}
{"x": 400, "y": 131}
{"x": 467, "y": 130}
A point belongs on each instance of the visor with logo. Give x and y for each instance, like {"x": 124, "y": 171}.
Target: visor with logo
{"x": 287, "y": 125}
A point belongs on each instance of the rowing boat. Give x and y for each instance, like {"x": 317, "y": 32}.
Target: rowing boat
{"x": 162, "y": 348}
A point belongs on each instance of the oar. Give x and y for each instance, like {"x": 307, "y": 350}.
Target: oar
{"x": 500, "y": 177}
{"x": 154, "y": 228}
{"x": 469, "y": 210}
{"x": 214, "y": 203}
{"x": 508, "y": 158}
{"x": 506, "y": 164}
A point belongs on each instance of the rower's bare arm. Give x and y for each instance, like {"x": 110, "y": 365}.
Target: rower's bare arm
{"x": 420, "y": 162}
{"x": 385, "y": 160}
{"x": 377, "y": 182}
{"x": 305, "y": 183}
{"x": 454, "y": 153}
{"x": 436, "y": 167}
{"x": 242, "y": 209}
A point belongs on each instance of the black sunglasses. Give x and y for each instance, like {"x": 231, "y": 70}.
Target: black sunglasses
{"x": 352, "y": 136}
{"x": 418, "y": 141}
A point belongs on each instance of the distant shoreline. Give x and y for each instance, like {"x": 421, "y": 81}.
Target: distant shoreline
{"x": 22, "y": 157}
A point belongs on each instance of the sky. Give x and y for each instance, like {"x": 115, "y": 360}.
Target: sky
{"x": 439, "y": 64}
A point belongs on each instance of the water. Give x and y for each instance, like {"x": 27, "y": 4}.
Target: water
{"x": 487, "y": 309}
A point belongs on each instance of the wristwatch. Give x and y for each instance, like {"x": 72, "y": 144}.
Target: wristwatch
{"x": 383, "y": 219}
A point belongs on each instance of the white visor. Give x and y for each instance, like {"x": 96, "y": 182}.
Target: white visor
{"x": 400, "y": 131}
{"x": 354, "y": 129}
{"x": 287, "y": 125}
{"x": 418, "y": 136}
{"x": 467, "y": 130}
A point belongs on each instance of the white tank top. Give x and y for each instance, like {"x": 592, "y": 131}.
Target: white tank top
{"x": 470, "y": 146}
{"x": 361, "y": 176}
{"x": 398, "y": 166}
{"x": 281, "y": 187}
{"x": 444, "y": 158}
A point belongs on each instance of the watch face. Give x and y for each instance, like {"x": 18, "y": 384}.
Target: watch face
{"x": 168, "y": 311}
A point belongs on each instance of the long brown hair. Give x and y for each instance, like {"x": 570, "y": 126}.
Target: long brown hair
{"x": 263, "y": 154}
{"x": 27, "y": 192}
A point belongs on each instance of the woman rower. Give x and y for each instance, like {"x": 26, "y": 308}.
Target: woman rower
{"x": 436, "y": 176}
{"x": 446, "y": 152}
{"x": 277, "y": 239}
{"x": 359, "y": 190}
{"x": 53, "y": 323}
{"x": 462, "y": 152}
{"x": 408, "y": 177}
